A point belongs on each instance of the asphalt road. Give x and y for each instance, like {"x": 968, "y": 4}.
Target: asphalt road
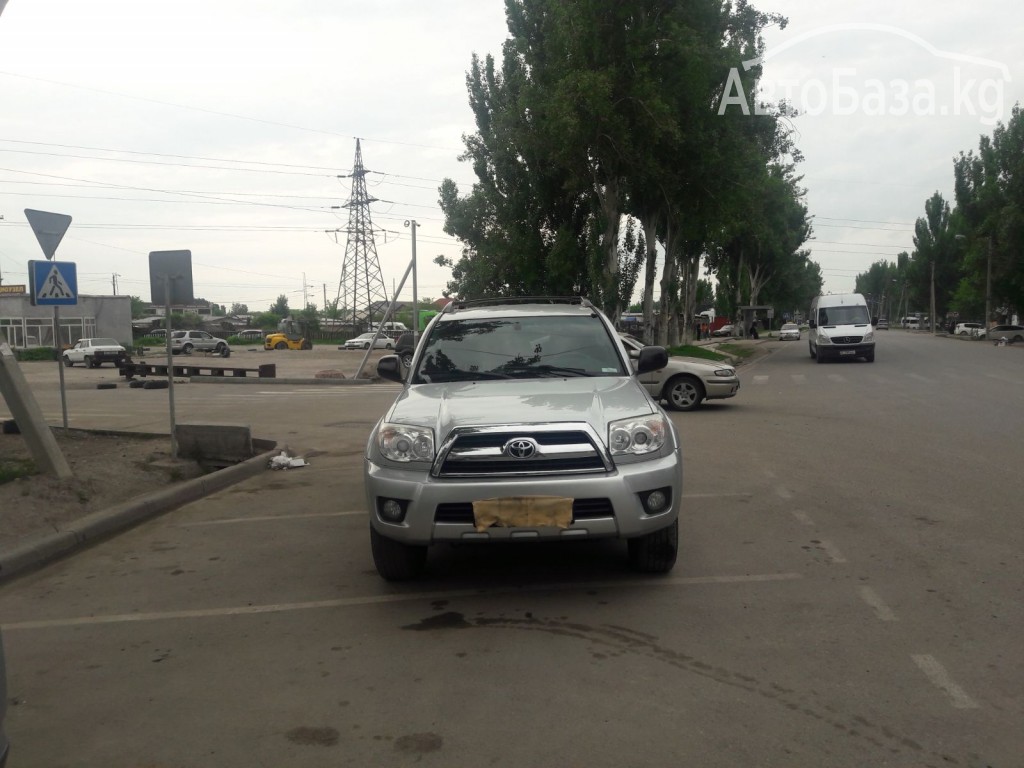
{"x": 848, "y": 593}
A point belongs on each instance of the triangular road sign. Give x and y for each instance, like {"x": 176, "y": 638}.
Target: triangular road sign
{"x": 49, "y": 229}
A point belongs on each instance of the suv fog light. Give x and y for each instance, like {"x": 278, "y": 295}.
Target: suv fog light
{"x": 391, "y": 510}
{"x": 656, "y": 501}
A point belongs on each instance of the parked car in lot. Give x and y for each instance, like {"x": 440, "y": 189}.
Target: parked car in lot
{"x": 251, "y": 334}
{"x": 969, "y": 329}
{"x": 92, "y": 353}
{"x": 725, "y": 330}
{"x": 363, "y": 341}
{"x": 1013, "y": 333}
{"x": 522, "y": 419}
{"x": 187, "y": 342}
{"x": 685, "y": 382}
{"x": 789, "y": 331}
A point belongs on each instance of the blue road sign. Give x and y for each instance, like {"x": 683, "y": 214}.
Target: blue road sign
{"x": 53, "y": 283}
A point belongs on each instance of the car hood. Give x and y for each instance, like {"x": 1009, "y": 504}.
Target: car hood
{"x": 695, "y": 365}
{"x": 596, "y": 401}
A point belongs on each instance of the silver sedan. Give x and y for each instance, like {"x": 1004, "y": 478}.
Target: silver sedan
{"x": 686, "y": 382}
{"x": 789, "y": 331}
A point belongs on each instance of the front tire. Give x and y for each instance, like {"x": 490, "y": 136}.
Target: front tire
{"x": 281, "y": 345}
{"x": 187, "y": 349}
{"x": 67, "y": 362}
{"x": 683, "y": 393}
{"x": 396, "y": 561}
{"x": 366, "y": 345}
{"x": 810, "y": 348}
{"x": 656, "y": 552}
{"x": 870, "y": 356}
{"x": 407, "y": 359}
{"x": 89, "y": 362}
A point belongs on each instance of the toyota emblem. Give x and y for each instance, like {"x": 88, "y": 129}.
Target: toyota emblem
{"x": 520, "y": 448}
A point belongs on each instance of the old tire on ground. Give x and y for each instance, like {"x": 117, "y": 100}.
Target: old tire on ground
{"x": 683, "y": 393}
{"x": 136, "y": 383}
{"x": 107, "y": 385}
{"x": 396, "y": 561}
{"x": 155, "y": 384}
{"x": 281, "y": 345}
{"x": 656, "y": 552}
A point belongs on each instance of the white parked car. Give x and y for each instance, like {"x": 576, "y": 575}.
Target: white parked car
{"x": 789, "y": 331}
{"x": 92, "y": 353}
{"x": 363, "y": 341}
{"x": 969, "y": 329}
{"x": 685, "y": 382}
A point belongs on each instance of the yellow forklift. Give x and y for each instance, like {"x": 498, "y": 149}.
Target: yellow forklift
{"x": 290, "y": 334}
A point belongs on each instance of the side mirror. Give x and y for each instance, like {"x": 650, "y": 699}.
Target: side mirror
{"x": 874, "y": 320}
{"x": 390, "y": 367}
{"x": 651, "y": 359}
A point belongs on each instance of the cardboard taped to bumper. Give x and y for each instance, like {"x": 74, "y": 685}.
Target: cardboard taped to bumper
{"x": 523, "y": 512}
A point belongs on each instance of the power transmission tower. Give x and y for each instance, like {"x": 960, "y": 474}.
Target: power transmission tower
{"x": 361, "y": 287}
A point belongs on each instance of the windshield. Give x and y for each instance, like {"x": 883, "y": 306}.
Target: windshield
{"x": 854, "y": 314}
{"x": 527, "y": 347}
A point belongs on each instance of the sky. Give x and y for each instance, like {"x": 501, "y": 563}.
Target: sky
{"x": 228, "y": 128}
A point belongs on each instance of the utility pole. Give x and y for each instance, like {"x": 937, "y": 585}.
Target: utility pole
{"x": 933, "y": 296}
{"x": 113, "y": 279}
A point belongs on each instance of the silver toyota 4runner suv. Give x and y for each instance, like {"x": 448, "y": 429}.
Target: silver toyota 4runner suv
{"x": 522, "y": 419}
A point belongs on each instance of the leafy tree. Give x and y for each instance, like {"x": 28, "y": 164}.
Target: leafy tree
{"x": 139, "y": 308}
{"x": 239, "y": 309}
{"x": 280, "y": 307}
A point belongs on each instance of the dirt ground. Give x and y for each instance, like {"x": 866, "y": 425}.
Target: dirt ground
{"x": 108, "y": 470}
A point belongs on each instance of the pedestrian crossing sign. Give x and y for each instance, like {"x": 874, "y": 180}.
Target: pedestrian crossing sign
{"x": 53, "y": 283}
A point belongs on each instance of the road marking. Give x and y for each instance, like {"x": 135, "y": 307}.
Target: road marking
{"x": 938, "y": 676}
{"x": 761, "y": 379}
{"x": 837, "y": 378}
{"x": 271, "y": 518}
{"x": 919, "y": 377}
{"x": 348, "y": 602}
{"x": 798, "y": 378}
{"x": 883, "y": 611}
{"x": 801, "y": 516}
{"x": 832, "y": 551}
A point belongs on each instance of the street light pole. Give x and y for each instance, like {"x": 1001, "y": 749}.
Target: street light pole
{"x": 988, "y": 286}
{"x": 933, "y": 297}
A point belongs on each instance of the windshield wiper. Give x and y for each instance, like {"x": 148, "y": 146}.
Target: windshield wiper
{"x": 545, "y": 370}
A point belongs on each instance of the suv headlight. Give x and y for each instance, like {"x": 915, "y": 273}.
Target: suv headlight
{"x": 401, "y": 442}
{"x": 638, "y": 436}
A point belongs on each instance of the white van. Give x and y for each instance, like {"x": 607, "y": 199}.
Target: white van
{"x": 841, "y": 326}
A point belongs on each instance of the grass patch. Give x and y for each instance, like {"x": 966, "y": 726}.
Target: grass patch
{"x": 13, "y": 469}
{"x": 737, "y": 350}
{"x": 704, "y": 353}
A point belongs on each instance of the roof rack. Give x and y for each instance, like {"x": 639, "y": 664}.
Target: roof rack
{"x": 457, "y": 305}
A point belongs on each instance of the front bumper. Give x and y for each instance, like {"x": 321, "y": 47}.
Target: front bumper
{"x": 718, "y": 388}
{"x": 625, "y": 516}
{"x": 839, "y": 351}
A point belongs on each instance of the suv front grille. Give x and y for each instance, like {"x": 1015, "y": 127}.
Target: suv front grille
{"x": 582, "y": 509}
{"x": 483, "y": 451}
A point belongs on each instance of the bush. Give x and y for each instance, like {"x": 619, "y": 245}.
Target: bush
{"x": 36, "y": 354}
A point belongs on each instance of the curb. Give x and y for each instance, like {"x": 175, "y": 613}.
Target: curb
{"x": 41, "y": 549}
